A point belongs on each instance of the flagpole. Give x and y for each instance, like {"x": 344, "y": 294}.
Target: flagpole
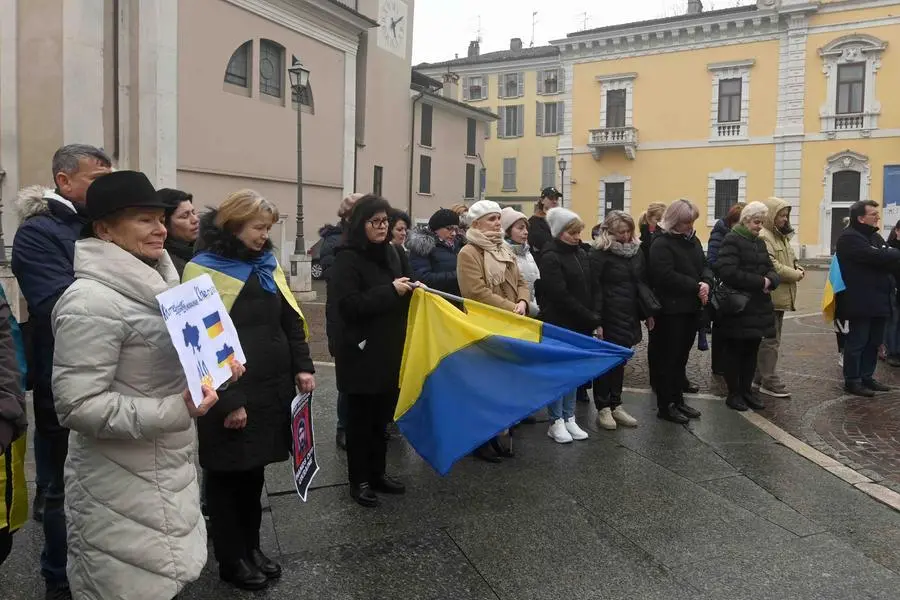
{"x": 444, "y": 295}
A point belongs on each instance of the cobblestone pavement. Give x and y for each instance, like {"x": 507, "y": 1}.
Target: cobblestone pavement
{"x": 862, "y": 433}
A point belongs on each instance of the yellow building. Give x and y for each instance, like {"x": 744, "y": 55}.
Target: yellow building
{"x": 783, "y": 97}
{"x": 524, "y": 86}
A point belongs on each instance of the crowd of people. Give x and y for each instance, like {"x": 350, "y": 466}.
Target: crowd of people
{"x": 117, "y": 491}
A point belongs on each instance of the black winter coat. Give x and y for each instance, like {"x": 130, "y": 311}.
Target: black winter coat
{"x": 371, "y": 319}
{"x": 647, "y": 238}
{"x": 275, "y": 345}
{"x": 434, "y": 262}
{"x": 564, "y": 289}
{"x": 332, "y": 237}
{"x": 677, "y": 267}
{"x": 720, "y": 230}
{"x": 539, "y": 234}
{"x": 866, "y": 267}
{"x": 743, "y": 264}
{"x": 616, "y": 280}
{"x": 180, "y": 252}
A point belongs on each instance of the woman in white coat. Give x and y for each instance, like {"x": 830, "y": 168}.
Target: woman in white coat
{"x": 134, "y": 526}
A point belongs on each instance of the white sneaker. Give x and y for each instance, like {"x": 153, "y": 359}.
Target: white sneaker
{"x": 559, "y": 432}
{"x": 605, "y": 419}
{"x": 623, "y": 418}
{"x": 574, "y": 430}
{"x": 775, "y": 392}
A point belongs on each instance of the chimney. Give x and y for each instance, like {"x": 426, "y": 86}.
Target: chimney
{"x": 451, "y": 86}
{"x": 515, "y": 44}
{"x": 474, "y": 49}
{"x": 695, "y": 7}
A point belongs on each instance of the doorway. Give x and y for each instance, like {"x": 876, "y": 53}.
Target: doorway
{"x": 844, "y": 192}
{"x": 614, "y": 197}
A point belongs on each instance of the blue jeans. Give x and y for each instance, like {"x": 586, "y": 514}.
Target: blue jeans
{"x": 564, "y": 408}
{"x": 861, "y": 348}
{"x": 50, "y": 459}
{"x": 343, "y": 409}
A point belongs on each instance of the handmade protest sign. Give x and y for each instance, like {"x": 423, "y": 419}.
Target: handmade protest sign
{"x": 202, "y": 332}
{"x": 303, "y": 443}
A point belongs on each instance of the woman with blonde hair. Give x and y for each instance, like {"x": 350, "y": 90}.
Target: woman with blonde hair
{"x": 489, "y": 273}
{"x": 250, "y": 426}
{"x": 744, "y": 311}
{"x": 648, "y": 224}
{"x": 681, "y": 280}
{"x": 620, "y": 296}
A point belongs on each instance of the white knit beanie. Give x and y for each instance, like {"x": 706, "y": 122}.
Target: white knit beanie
{"x": 509, "y": 217}
{"x": 559, "y": 218}
{"x": 482, "y": 208}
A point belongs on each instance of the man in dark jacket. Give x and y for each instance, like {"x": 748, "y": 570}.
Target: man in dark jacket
{"x": 42, "y": 256}
{"x": 331, "y": 238}
{"x": 433, "y": 252}
{"x": 866, "y": 265}
{"x": 539, "y": 234}
{"x": 13, "y": 423}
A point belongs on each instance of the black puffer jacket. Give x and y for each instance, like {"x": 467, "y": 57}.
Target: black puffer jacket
{"x": 677, "y": 266}
{"x": 743, "y": 263}
{"x": 564, "y": 289}
{"x": 275, "y": 345}
{"x": 181, "y": 253}
{"x": 647, "y": 238}
{"x": 539, "y": 235}
{"x": 371, "y": 318}
{"x": 720, "y": 230}
{"x": 332, "y": 236}
{"x": 433, "y": 262}
{"x": 616, "y": 277}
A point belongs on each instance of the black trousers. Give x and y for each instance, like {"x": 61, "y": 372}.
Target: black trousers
{"x": 235, "y": 512}
{"x": 739, "y": 362}
{"x": 5, "y": 543}
{"x": 667, "y": 354}
{"x": 718, "y": 359}
{"x": 367, "y": 416}
{"x": 608, "y": 388}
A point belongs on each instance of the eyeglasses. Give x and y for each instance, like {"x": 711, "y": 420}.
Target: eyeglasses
{"x": 378, "y": 223}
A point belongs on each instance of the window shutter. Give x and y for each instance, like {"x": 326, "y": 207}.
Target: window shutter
{"x": 500, "y": 85}
{"x": 513, "y": 186}
{"x": 470, "y": 180}
{"x": 487, "y": 130}
{"x": 521, "y": 77}
{"x": 485, "y": 87}
{"x": 465, "y": 88}
{"x": 560, "y": 81}
{"x": 539, "y": 118}
{"x": 520, "y": 125}
{"x": 560, "y": 113}
{"x": 540, "y": 82}
{"x": 501, "y": 124}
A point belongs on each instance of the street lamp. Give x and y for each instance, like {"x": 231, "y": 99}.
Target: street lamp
{"x": 299, "y": 80}
{"x": 562, "y": 179}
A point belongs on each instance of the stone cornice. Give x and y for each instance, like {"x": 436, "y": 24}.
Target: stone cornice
{"x": 616, "y": 77}
{"x": 509, "y": 66}
{"x": 731, "y": 64}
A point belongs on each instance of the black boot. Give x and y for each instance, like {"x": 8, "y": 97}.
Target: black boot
{"x": 736, "y": 402}
{"x": 500, "y": 449}
{"x": 671, "y": 413}
{"x": 753, "y": 401}
{"x": 858, "y": 389}
{"x": 267, "y": 566}
{"x": 340, "y": 438}
{"x": 387, "y": 485}
{"x": 875, "y": 386}
{"x": 485, "y": 453}
{"x": 689, "y": 411}
{"x": 363, "y": 495}
{"x": 689, "y": 388}
{"x": 243, "y": 575}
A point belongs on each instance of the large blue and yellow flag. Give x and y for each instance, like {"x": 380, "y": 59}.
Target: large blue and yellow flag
{"x": 834, "y": 285}
{"x": 466, "y": 376}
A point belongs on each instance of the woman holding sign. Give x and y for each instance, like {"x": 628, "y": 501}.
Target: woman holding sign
{"x": 132, "y": 503}
{"x": 250, "y": 426}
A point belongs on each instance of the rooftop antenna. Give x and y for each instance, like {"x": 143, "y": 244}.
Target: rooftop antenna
{"x": 533, "y": 23}
{"x": 585, "y": 19}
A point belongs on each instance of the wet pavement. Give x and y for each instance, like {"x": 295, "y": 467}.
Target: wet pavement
{"x": 715, "y": 510}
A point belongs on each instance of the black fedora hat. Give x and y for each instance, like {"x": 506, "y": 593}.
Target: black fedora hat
{"x": 119, "y": 190}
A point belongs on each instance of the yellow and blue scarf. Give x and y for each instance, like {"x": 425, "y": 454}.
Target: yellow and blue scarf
{"x": 229, "y": 276}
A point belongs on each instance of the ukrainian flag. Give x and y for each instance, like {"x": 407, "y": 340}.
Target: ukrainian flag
{"x": 834, "y": 285}
{"x": 466, "y": 376}
{"x": 213, "y": 324}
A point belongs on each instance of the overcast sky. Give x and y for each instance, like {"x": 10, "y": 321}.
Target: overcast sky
{"x": 441, "y": 31}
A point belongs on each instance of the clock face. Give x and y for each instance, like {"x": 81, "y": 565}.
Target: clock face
{"x": 393, "y": 17}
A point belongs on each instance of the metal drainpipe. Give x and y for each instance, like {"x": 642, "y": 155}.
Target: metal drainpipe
{"x": 412, "y": 151}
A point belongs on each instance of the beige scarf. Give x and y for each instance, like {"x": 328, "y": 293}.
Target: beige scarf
{"x": 497, "y": 255}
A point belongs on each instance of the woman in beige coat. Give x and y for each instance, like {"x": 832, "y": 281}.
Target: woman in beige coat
{"x": 489, "y": 273}
{"x": 134, "y": 526}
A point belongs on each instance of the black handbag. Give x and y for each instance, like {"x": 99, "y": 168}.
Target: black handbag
{"x": 648, "y": 304}
{"x": 728, "y": 301}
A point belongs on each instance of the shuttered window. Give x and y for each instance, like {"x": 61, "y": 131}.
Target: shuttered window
{"x": 470, "y": 181}
{"x": 471, "y": 129}
{"x": 548, "y": 171}
{"x": 427, "y": 116}
{"x": 424, "y": 174}
{"x": 509, "y": 174}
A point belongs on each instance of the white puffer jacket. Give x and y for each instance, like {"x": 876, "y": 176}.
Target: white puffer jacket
{"x": 134, "y": 526}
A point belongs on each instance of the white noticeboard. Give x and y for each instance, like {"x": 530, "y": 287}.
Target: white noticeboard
{"x": 202, "y": 332}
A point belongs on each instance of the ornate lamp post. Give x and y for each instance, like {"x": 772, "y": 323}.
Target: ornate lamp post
{"x": 2, "y": 247}
{"x": 562, "y": 179}
{"x": 299, "y": 80}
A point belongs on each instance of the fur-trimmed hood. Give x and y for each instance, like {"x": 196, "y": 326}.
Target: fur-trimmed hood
{"x": 32, "y": 201}
{"x": 224, "y": 243}
{"x": 422, "y": 241}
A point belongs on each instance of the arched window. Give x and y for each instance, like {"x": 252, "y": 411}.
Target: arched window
{"x": 238, "y": 70}
{"x": 271, "y": 68}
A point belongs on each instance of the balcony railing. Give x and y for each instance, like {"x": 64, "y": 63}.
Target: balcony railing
{"x": 849, "y": 121}
{"x": 728, "y": 130}
{"x": 613, "y": 137}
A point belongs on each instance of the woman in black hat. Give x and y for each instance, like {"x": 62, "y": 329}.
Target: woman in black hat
{"x": 119, "y": 388}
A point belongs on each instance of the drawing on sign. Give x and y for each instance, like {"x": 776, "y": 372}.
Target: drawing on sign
{"x": 225, "y": 355}
{"x": 205, "y": 376}
{"x": 191, "y": 334}
{"x": 213, "y": 324}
